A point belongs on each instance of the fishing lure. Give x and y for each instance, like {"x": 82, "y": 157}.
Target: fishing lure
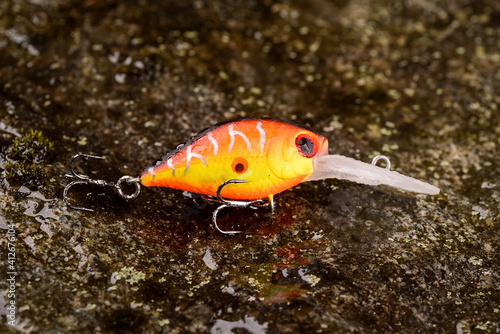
{"x": 245, "y": 163}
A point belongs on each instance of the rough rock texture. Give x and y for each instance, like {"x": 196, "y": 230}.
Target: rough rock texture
{"x": 418, "y": 81}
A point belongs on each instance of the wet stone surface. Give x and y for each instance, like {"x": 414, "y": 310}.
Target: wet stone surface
{"x": 418, "y": 81}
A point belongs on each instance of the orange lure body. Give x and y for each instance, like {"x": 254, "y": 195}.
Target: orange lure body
{"x": 271, "y": 155}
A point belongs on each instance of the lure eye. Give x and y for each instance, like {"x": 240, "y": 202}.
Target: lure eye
{"x": 306, "y": 145}
{"x": 239, "y": 165}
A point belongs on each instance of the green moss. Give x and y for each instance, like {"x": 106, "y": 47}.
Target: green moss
{"x": 29, "y": 175}
{"x": 26, "y": 154}
{"x": 33, "y": 147}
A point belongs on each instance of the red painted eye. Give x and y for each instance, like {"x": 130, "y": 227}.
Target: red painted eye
{"x": 306, "y": 145}
{"x": 239, "y": 165}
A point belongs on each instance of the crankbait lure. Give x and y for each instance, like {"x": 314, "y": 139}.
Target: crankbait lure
{"x": 245, "y": 163}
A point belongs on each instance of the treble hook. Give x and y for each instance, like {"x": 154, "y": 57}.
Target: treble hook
{"x": 234, "y": 204}
{"x": 83, "y": 179}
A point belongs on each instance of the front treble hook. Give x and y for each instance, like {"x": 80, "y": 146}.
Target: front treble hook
{"x": 233, "y": 204}
{"x": 83, "y": 179}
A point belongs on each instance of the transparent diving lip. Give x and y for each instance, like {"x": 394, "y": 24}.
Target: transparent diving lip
{"x": 345, "y": 168}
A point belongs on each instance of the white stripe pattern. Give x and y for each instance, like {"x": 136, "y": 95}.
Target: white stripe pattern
{"x": 190, "y": 155}
{"x": 214, "y": 143}
{"x": 171, "y": 165}
{"x": 232, "y": 134}
{"x": 262, "y": 140}
{"x": 151, "y": 171}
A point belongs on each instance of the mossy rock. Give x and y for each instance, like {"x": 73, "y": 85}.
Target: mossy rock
{"x": 26, "y": 156}
{"x": 33, "y": 147}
